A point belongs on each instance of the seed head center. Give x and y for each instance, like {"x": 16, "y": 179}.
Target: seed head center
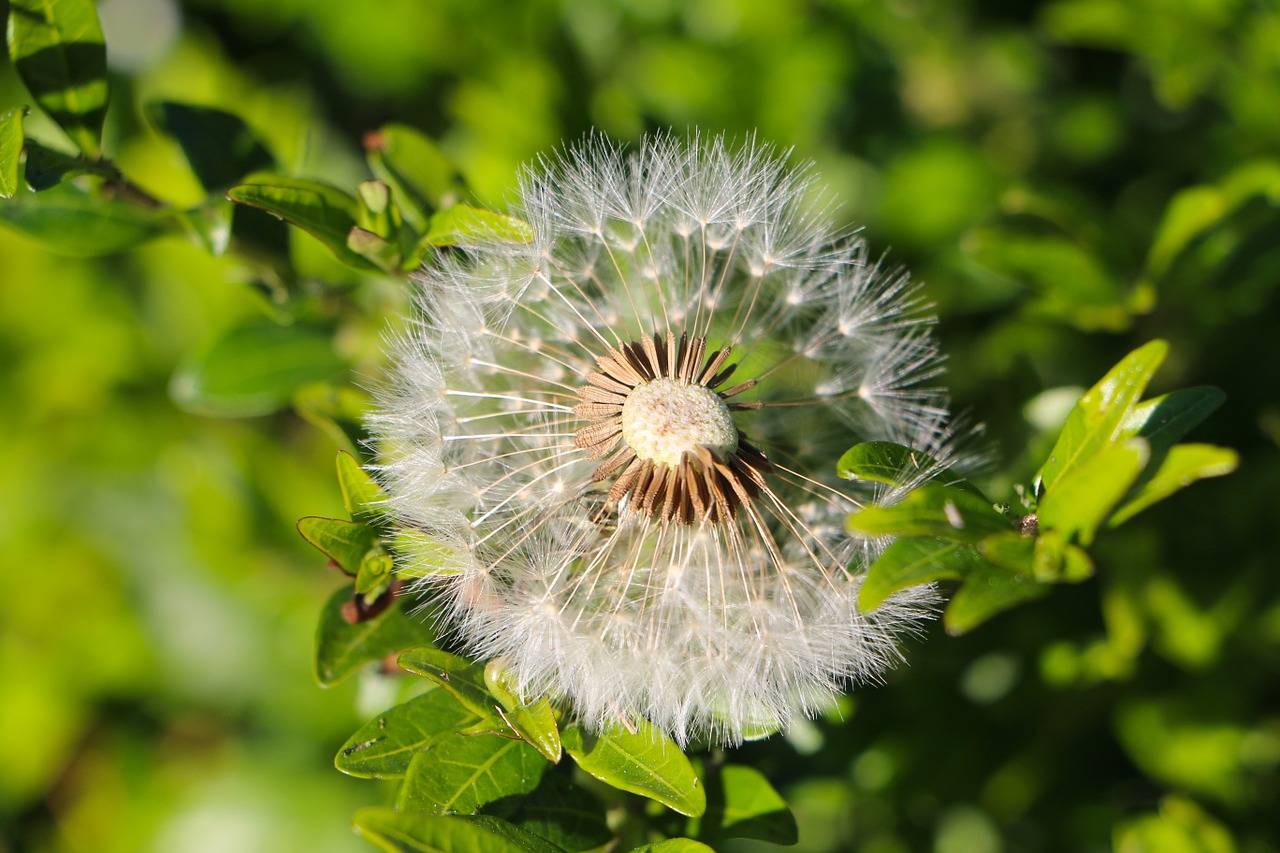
{"x": 665, "y": 418}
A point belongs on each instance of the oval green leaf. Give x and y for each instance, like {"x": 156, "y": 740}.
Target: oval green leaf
{"x": 895, "y": 465}
{"x": 742, "y": 804}
{"x": 407, "y": 832}
{"x": 1080, "y": 501}
{"x": 465, "y": 224}
{"x": 988, "y": 590}
{"x": 341, "y": 648}
{"x": 1183, "y": 465}
{"x": 563, "y": 814}
{"x": 463, "y": 679}
{"x": 69, "y": 221}
{"x": 645, "y": 762}
{"x": 324, "y": 212}
{"x": 58, "y": 51}
{"x": 383, "y": 748}
{"x": 944, "y": 511}
{"x": 220, "y": 148}
{"x": 1163, "y": 421}
{"x": 912, "y": 561}
{"x": 361, "y": 495}
{"x": 675, "y": 845}
{"x": 535, "y": 722}
{"x": 459, "y": 774}
{"x": 11, "y": 138}
{"x": 344, "y": 542}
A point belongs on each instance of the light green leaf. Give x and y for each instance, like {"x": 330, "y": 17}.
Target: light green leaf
{"x": 460, "y": 677}
{"x": 375, "y": 573}
{"x": 1057, "y": 561}
{"x": 1081, "y": 499}
{"x": 378, "y": 250}
{"x": 988, "y": 590}
{"x": 58, "y": 51}
{"x": 341, "y": 647}
{"x": 915, "y": 560}
{"x": 646, "y": 763}
{"x": 420, "y": 176}
{"x": 254, "y": 369}
{"x": 1182, "y": 466}
{"x": 324, "y": 212}
{"x": 465, "y": 224}
{"x": 1163, "y": 421}
{"x": 221, "y": 149}
{"x": 70, "y": 221}
{"x": 563, "y": 814}
{"x": 361, "y": 495}
{"x": 383, "y": 748}
{"x": 403, "y": 832}
{"x": 742, "y": 804}
{"x": 1099, "y": 417}
{"x": 675, "y": 845}
{"x": 460, "y": 774}
{"x": 344, "y": 542}
{"x": 527, "y": 841}
{"x": 932, "y": 511}
{"x": 535, "y": 722}
{"x": 11, "y": 149}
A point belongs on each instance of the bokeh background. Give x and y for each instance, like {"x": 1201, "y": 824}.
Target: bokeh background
{"x": 1068, "y": 178}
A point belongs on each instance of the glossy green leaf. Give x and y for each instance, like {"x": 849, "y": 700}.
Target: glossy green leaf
{"x": 341, "y": 647}
{"x": 58, "y": 50}
{"x": 535, "y": 722}
{"x": 527, "y": 841}
{"x": 220, "y": 148}
{"x": 407, "y": 832}
{"x": 1082, "y": 498}
{"x": 675, "y": 845}
{"x": 463, "y": 679}
{"x": 1182, "y": 466}
{"x": 70, "y": 221}
{"x": 383, "y": 748}
{"x": 915, "y": 560}
{"x": 254, "y": 369}
{"x": 1163, "y": 421}
{"x": 563, "y": 814}
{"x": 988, "y": 590}
{"x": 11, "y": 138}
{"x": 344, "y": 542}
{"x": 420, "y": 176}
{"x": 645, "y": 762}
{"x": 465, "y": 224}
{"x": 895, "y": 465}
{"x": 932, "y": 511}
{"x": 460, "y": 774}
{"x": 361, "y": 494}
{"x": 324, "y": 212}
{"x": 742, "y": 804}
{"x": 1100, "y": 415}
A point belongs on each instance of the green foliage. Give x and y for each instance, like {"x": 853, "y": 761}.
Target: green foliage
{"x": 10, "y": 149}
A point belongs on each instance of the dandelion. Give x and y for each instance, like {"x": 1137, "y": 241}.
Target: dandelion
{"x": 619, "y": 438}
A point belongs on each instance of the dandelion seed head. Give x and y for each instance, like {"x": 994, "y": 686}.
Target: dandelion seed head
{"x": 620, "y": 438}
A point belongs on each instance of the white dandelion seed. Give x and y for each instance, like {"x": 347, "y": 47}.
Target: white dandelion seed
{"x": 623, "y": 435}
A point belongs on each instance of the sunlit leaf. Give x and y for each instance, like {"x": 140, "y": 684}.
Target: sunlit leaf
{"x": 463, "y": 223}
{"x": 645, "y": 762}
{"x": 988, "y": 590}
{"x": 1055, "y": 560}
{"x": 70, "y": 221}
{"x": 675, "y": 845}
{"x": 409, "y": 832}
{"x": 221, "y": 149}
{"x": 342, "y": 647}
{"x": 563, "y": 814}
{"x": 915, "y": 560}
{"x": 535, "y": 722}
{"x": 361, "y": 495}
{"x": 420, "y": 176}
{"x": 742, "y": 804}
{"x": 459, "y": 677}
{"x": 932, "y": 511}
{"x": 383, "y": 748}
{"x": 254, "y": 369}
{"x": 1179, "y": 825}
{"x": 324, "y": 212}
{"x": 1182, "y": 466}
{"x": 460, "y": 774}
{"x": 1009, "y": 550}
{"x": 11, "y": 138}
{"x": 1163, "y": 421}
{"x": 58, "y": 50}
{"x": 344, "y": 542}
{"x": 1081, "y": 499}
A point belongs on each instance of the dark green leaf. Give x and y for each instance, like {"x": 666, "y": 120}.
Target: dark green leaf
{"x": 58, "y": 51}
{"x": 459, "y": 774}
{"x": 1080, "y": 501}
{"x": 1163, "y": 421}
{"x": 675, "y": 845}
{"x": 563, "y": 814}
{"x": 932, "y": 511}
{"x": 342, "y": 647}
{"x": 218, "y": 145}
{"x": 402, "y": 832}
{"x": 1099, "y": 417}
{"x": 646, "y": 763}
{"x": 362, "y": 497}
{"x": 535, "y": 722}
{"x": 987, "y": 591}
{"x": 69, "y": 221}
{"x": 1182, "y": 466}
{"x": 895, "y": 465}
{"x": 324, "y": 212}
{"x": 915, "y": 560}
{"x": 48, "y": 167}
{"x": 742, "y": 804}
{"x": 344, "y": 542}
{"x": 526, "y": 841}
{"x": 464, "y": 224}
{"x": 420, "y": 176}
{"x": 463, "y": 679}
{"x": 11, "y": 150}
{"x": 254, "y": 369}
{"x": 383, "y": 748}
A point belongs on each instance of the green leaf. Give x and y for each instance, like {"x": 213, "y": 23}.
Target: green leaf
{"x": 1101, "y": 414}
{"x": 1182, "y": 466}
{"x": 1009, "y": 550}
{"x": 535, "y": 722}
{"x": 675, "y": 845}
{"x": 342, "y": 647}
{"x": 459, "y": 774}
{"x": 383, "y": 748}
{"x": 932, "y": 511}
{"x": 324, "y": 212}
{"x": 895, "y": 465}
{"x": 988, "y": 590}
{"x": 379, "y": 251}
{"x": 209, "y": 225}
{"x": 48, "y": 167}
{"x": 1055, "y": 560}
{"x": 742, "y": 804}
{"x": 563, "y": 814}
{"x": 254, "y": 369}
{"x": 375, "y": 573}
{"x": 69, "y": 221}
{"x": 463, "y": 679}
{"x": 463, "y": 224}
{"x": 527, "y": 841}
{"x": 218, "y": 145}
{"x": 11, "y": 149}
{"x": 645, "y": 762}
{"x": 58, "y": 51}
{"x": 420, "y": 176}
{"x": 1163, "y": 421}
{"x": 911, "y": 561}
{"x": 361, "y": 495}
{"x": 344, "y": 542}
{"x": 404, "y": 832}
{"x": 1080, "y": 501}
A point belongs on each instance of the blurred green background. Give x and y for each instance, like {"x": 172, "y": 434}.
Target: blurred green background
{"x": 1068, "y": 179}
